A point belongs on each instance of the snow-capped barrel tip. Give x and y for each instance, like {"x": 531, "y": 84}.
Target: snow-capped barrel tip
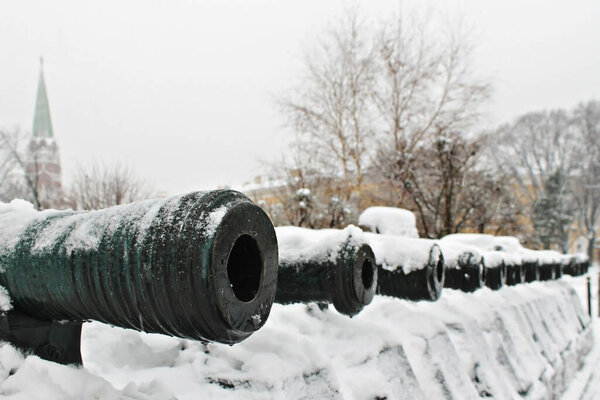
{"x": 201, "y": 266}
{"x": 408, "y": 268}
{"x": 326, "y": 266}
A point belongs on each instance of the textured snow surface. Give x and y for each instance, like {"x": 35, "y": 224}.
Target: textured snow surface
{"x": 389, "y": 221}
{"x": 392, "y": 252}
{"x": 527, "y": 339}
{"x": 297, "y": 245}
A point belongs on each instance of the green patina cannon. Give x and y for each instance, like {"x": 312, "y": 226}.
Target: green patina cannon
{"x": 200, "y": 266}
{"x": 327, "y": 266}
{"x": 408, "y": 268}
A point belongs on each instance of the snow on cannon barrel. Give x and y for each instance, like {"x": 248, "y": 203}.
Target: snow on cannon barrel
{"x": 408, "y": 268}
{"x": 200, "y": 266}
{"x": 464, "y": 266}
{"x": 325, "y": 266}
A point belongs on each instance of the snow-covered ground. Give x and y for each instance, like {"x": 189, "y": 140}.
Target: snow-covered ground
{"x": 586, "y": 384}
{"x": 523, "y": 341}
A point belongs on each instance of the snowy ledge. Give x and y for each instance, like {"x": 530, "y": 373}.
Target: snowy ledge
{"x": 525, "y": 341}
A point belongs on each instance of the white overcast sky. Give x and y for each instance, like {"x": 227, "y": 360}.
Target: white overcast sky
{"x": 183, "y": 90}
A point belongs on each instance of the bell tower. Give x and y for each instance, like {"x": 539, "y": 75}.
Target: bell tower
{"x": 43, "y": 166}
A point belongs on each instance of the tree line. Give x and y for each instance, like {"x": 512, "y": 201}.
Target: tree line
{"x": 390, "y": 113}
{"x": 92, "y": 187}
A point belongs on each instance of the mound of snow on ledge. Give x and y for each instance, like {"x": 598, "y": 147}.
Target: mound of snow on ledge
{"x": 389, "y": 221}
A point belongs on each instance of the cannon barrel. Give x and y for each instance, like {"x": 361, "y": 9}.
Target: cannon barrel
{"x": 408, "y": 268}
{"x": 200, "y": 266}
{"x": 532, "y": 270}
{"x": 325, "y": 266}
{"x": 515, "y": 271}
{"x": 464, "y": 267}
{"x": 581, "y": 264}
{"x": 495, "y": 269}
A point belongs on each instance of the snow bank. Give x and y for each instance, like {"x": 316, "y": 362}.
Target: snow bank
{"x": 390, "y": 221}
{"x": 392, "y": 252}
{"x": 297, "y": 245}
{"x": 522, "y": 341}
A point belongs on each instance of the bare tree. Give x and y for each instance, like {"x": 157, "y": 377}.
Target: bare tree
{"x": 444, "y": 184}
{"x": 586, "y": 119}
{"x": 425, "y": 85}
{"x": 103, "y": 186}
{"x": 539, "y": 151}
{"x": 330, "y": 110}
{"x": 303, "y": 195}
{"x": 22, "y": 160}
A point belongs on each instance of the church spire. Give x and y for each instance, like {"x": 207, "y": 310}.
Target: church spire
{"x": 42, "y": 124}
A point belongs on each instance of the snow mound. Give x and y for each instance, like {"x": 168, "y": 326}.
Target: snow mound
{"x": 522, "y": 341}
{"x": 389, "y": 221}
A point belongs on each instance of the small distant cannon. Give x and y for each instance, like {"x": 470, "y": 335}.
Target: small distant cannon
{"x": 325, "y": 266}
{"x": 465, "y": 268}
{"x": 515, "y": 270}
{"x": 550, "y": 265}
{"x": 408, "y": 268}
{"x": 495, "y": 269}
{"x": 200, "y": 266}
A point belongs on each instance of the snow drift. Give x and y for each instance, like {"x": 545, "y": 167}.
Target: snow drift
{"x": 525, "y": 341}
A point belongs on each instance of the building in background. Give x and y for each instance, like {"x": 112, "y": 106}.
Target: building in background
{"x": 43, "y": 164}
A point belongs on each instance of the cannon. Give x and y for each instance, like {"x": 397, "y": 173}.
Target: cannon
{"x": 515, "y": 271}
{"x": 201, "y": 266}
{"x": 464, "y": 266}
{"x": 532, "y": 270}
{"x": 495, "y": 269}
{"x": 579, "y": 265}
{"x": 326, "y": 266}
{"x": 550, "y": 265}
{"x": 408, "y": 268}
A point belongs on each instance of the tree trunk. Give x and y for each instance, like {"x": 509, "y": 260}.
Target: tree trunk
{"x": 591, "y": 244}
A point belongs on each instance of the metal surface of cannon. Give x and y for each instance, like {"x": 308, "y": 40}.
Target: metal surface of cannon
{"x": 515, "y": 271}
{"x": 547, "y": 271}
{"x": 464, "y": 267}
{"x": 408, "y": 268}
{"x": 495, "y": 270}
{"x": 581, "y": 264}
{"x": 201, "y": 266}
{"x": 325, "y": 266}
{"x": 531, "y": 269}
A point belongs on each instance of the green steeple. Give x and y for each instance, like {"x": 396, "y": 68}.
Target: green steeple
{"x": 42, "y": 124}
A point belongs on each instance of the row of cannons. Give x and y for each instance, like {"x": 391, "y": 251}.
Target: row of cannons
{"x": 209, "y": 265}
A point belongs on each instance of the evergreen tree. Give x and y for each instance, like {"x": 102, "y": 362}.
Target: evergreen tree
{"x": 553, "y": 212}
